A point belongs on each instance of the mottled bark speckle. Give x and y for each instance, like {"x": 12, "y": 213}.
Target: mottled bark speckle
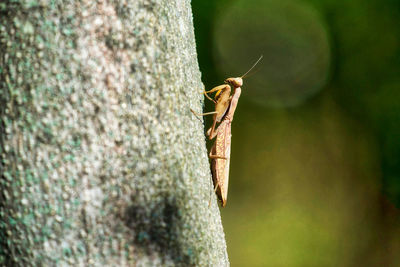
{"x": 102, "y": 163}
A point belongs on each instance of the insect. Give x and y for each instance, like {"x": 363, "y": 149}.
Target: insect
{"x": 225, "y": 106}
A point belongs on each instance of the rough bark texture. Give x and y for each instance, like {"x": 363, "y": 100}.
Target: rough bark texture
{"x": 102, "y": 163}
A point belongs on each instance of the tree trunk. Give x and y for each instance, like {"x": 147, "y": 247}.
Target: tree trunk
{"x": 102, "y": 162}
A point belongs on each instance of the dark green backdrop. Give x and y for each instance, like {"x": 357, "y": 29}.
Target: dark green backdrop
{"x": 315, "y": 164}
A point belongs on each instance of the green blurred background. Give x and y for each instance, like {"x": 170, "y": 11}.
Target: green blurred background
{"x": 315, "y": 164}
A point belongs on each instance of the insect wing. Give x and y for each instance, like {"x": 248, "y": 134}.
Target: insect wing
{"x": 222, "y": 111}
{"x": 221, "y": 166}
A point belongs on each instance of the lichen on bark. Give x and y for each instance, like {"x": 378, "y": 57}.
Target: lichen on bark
{"x": 102, "y": 162}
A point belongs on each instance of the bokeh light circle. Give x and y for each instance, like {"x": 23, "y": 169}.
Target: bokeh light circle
{"x": 293, "y": 40}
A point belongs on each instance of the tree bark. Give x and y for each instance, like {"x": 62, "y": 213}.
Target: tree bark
{"x": 102, "y": 162}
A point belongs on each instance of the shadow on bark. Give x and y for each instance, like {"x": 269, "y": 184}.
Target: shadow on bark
{"x": 157, "y": 229}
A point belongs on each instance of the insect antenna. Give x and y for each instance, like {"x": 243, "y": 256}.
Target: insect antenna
{"x": 254, "y": 72}
{"x": 252, "y": 67}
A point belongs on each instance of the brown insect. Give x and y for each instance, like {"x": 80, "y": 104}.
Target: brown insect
{"x": 225, "y": 106}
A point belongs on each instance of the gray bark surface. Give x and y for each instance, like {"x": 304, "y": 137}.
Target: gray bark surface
{"x": 102, "y": 162}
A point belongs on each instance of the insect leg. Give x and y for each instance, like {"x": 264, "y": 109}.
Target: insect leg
{"x": 202, "y": 114}
{"x": 211, "y": 133}
{"x": 216, "y": 157}
{"x": 211, "y": 156}
{"x": 215, "y": 188}
{"x": 209, "y": 97}
{"x": 217, "y": 88}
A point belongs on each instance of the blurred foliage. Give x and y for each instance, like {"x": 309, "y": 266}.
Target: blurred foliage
{"x": 315, "y": 164}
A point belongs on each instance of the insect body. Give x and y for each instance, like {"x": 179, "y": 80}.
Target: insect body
{"x": 225, "y": 106}
{"x": 221, "y": 150}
